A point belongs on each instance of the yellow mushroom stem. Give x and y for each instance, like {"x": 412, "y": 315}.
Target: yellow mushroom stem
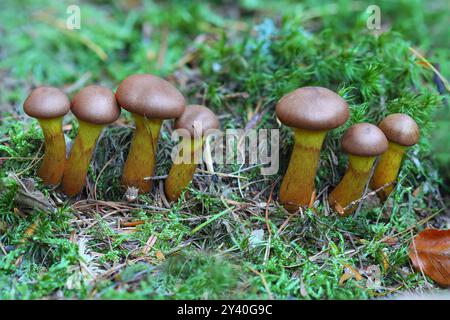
{"x": 352, "y": 184}
{"x": 141, "y": 159}
{"x": 387, "y": 169}
{"x": 52, "y": 167}
{"x": 181, "y": 174}
{"x": 80, "y": 156}
{"x": 298, "y": 183}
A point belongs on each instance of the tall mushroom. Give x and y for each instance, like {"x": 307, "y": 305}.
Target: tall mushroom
{"x": 197, "y": 121}
{"x": 311, "y": 111}
{"x": 94, "y": 107}
{"x": 402, "y": 132}
{"x": 49, "y": 105}
{"x": 363, "y": 142}
{"x": 150, "y": 100}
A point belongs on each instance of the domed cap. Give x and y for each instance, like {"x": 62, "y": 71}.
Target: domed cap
{"x": 46, "y": 103}
{"x": 95, "y": 104}
{"x": 150, "y": 96}
{"x": 312, "y": 108}
{"x": 400, "y": 128}
{"x": 197, "y": 119}
{"x": 364, "y": 139}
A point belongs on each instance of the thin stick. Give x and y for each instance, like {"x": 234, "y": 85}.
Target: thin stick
{"x": 265, "y": 284}
{"x": 351, "y": 204}
{"x": 132, "y": 224}
{"x": 266, "y": 214}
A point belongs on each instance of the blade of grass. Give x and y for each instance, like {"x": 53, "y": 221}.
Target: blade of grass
{"x": 214, "y": 217}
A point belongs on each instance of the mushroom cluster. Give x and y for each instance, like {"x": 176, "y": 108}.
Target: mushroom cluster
{"x": 149, "y": 99}
{"x": 310, "y": 111}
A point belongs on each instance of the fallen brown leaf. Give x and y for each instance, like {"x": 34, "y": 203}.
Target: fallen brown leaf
{"x": 28, "y": 199}
{"x": 391, "y": 241}
{"x": 373, "y": 274}
{"x": 303, "y": 290}
{"x": 430, "y": 253}
{"x": 160, "y": 256}
{"x": 346, "y": 276}
{"x": 349, "y": 273}
{"x": 417, "y": 191}
{"x": 29, "y": 232}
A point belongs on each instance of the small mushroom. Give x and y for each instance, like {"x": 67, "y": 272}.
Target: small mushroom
{"x": 363, "y": 142}
{"x": 402, "y": 132}
{"x": 150, "y": 100}
{"x": 94, "y": 107}
{"x": 197, "y": 121}
{"x": 49, "y": 105}
{"x": 312, "y": 112}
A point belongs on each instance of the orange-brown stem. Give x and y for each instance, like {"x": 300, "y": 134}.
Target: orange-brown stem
{"x": 387, "y": 169}
{"x": 52, "y": 167}
{"x": 298, "y": 183}
{"x": 353, "y": 183}
{"x": 140, "y": 162}
{"x": 77, "y": 166}
{"x": 182, "y": 172}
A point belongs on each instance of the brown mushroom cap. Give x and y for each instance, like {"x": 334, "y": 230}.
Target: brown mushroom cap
{"x": 312, "y": 108}
{"x": 197, "y": 119}
{"x": 364, "y": 139}
{"x": 46, "y": 103}
{"x": 95, "y": 104}
{"x": 400, "y": 128}
{"x": 150, "y": 96}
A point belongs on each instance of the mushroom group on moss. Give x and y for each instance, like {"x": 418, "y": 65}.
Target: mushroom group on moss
{"x": 312, "y": 112}
{"x": 363, "y": 142}
{"x": 402, "y": 132}
{"x": 150, "y": 100}
{"x": 49, "y": 105}
{"x": 94, "y": 107}
{"x": 196, "y": 121}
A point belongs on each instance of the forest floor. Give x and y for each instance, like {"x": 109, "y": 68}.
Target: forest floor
{"x": 228, "y": 237}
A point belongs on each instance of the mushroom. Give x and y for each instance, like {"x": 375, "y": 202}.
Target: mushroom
{"x": 150, "y": 100}
{"x": 311, "y": 111}
{"x": 94, "y": 107}
{"x": 49, "y": 105}
{"x": 402, "y": 132}
{"x": 197, "y": 121}
{"x": 363, "y": 142}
